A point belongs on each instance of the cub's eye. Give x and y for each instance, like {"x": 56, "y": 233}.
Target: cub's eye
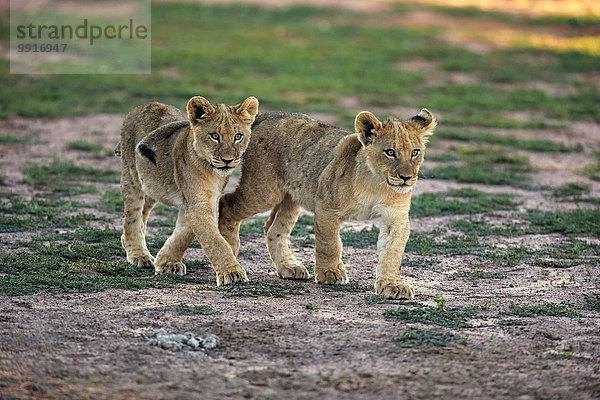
{"x": 390, "y": 153}
{"x": 214, "y": 136}
{"x": 415, "y": 153}
{"x": 238, "y": 137}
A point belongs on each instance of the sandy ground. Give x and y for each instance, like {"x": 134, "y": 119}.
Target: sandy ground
{"x": 320, "y": 344}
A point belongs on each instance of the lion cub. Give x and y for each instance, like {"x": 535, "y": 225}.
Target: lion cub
{"x": 294, "y": 161}
{"x": 185, "y": 163}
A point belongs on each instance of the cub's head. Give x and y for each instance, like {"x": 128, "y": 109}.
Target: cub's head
{"x": 395, "y": 148}
{"x": 221, "y": 132}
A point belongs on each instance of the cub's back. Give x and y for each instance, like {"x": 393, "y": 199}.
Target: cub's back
{"x": 291, "y": 150}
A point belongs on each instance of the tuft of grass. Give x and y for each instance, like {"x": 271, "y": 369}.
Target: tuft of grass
{"x": 592, "y": 302}
{"x": 592, "y": 171}
{"x": 461, "y": 201}
{"x": 427, "y": 338}
{"x": 452, "y": 317}
{"x": 351, "y": 288}
{"x": 478, "y": 275}
{"x": 544, "y": 309}
{"x": 513, "y": 322}
{"x": 571, "y": 189}
{"x": 262, "y": 289}
{"x": 9, "y": 139}
{"x": 253, "y": 227}
{"x": 83, "y": 145}
{"x": 579, "y": 221}
{"x": 471, "y": 226}
{"x": 362, "y": 238}
{"x": 111, "y": 202}
{"x": 184, "y": 309}
{"x": 519, "y": 144}
{"x": 490, "y": 165}
{"x": 34, "y": 214}
{"x": 25, "y": 273}
{"x": 425, "y": 243}
{"x": 60, "y": 177}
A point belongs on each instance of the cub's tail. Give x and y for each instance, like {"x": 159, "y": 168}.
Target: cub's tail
{"x": 118, "y": 150}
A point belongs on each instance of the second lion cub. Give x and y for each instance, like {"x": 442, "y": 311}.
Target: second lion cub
{"x": 293, "y": 160}
{"x": 182, "y": 162}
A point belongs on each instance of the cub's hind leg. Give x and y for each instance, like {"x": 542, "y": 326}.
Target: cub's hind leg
{"x": 277, "y": 230}
{"x": 239, "y": 205}
{"x": 169, "y": 258}
{"x": 134, "y": 227}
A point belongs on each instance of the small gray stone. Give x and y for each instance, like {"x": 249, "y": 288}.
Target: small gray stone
{"x": 159, "y": 332}
{"x": 211, "y": 341}
{"x": 193, "y": 343}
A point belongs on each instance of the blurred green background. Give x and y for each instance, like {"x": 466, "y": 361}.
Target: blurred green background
{"x": 473, "y": 67}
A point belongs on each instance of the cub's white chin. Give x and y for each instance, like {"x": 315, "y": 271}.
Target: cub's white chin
{"x": 402, "y": 189}
{"x": 223, "y": 171}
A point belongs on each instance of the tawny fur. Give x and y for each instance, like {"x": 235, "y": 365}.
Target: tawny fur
{"x": 295, "y": 161}
{"x": 185, "y": 163}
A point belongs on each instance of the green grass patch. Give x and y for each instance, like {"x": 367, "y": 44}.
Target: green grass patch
{"x": 262, "y": 289}
{"x": 545, "y": 309}
{"x": 451, "y": 317}
{"x": 488, "y": 165}
{"x": 592, "y": 171}
{"x": 26, "y": 273}
{"x": 111, "y": 202}
{"x": 61, "y": 177}
{"x": 430, "y": 243}
{"x": 412, "y": 338}
{"x": 478, "y": 275}
{"x": 253, "y": 227}
{"x": 83, "y": 145}
{"x": 461, "y": 201}
{"x": 350, "y": 288}
{"x": 184, "y": 309}
{"x": 481, "y": 226}
{"x": 517, "y": 144}
{"x": 592, "y": 302}
{"x": 34, "y": 214}
{"x": 572, "y": 189}
{"x": 513, "y": 322}
{"x": 9, "y": 139}
{"x": 362, "y": 238}
{"x": 574, "y": 222}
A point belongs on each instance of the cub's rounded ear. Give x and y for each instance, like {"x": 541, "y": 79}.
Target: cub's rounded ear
{"x": 198, "y": 108}
{"x": 366, "y": 125}
{"x": 247, "y": 110}
{"x": 425, "y": 122}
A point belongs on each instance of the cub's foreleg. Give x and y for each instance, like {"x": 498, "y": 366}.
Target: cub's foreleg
{"x": 329, "y": 268}
{"x": 393, "y": 236}
{"x": 200, "y": 212}
{"x": 170, "y": 258}
{"x": 134, "y": 227}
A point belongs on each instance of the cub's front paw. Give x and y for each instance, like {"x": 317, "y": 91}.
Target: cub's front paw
{"x": 169, "y": 267}
{"x": 141, "y": 260}
{"x": 331, "y": 276}
{"x": 394, "y": 290}
{"x": 292, "y": 271}
{"x": 231, "y": 275}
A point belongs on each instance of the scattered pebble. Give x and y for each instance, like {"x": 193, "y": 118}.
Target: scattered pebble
{"x": 188, "y": 343}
